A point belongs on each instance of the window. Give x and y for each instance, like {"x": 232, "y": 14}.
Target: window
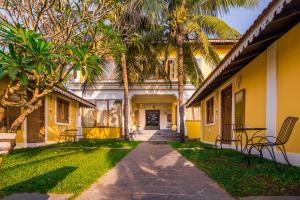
{"x": 115, "y": 110}
{"x": 9, "y": 114}
{"x": 102, "y": 113}
{"x": 199, "y": 63}
{"x": 109, "y": 69}
{"x": 172, "y": 69}
{"x": 108, "y": 113}
{"x": 210, "y": 111}
{"x": 62, "y": 110}
{"x": 193, "y": 113}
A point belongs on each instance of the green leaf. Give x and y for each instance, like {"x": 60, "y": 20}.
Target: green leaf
{"x": 23, "y": 79}
{"x": 12, "y": 74}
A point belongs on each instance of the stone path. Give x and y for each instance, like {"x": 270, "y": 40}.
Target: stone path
{"x": 155, "y": 171}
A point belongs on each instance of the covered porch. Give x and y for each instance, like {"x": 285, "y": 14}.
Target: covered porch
{"x": 153, "y": 112}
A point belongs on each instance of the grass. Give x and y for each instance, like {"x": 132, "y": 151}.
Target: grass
{"x": 229, "y": 169}
{"x": 60, "y": 168}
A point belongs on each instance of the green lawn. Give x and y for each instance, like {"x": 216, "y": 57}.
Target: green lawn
{"x": 230, "y": 170}
{"x": 60, "y": 168}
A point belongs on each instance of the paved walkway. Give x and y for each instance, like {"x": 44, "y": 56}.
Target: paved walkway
{"x": 155, "y": 171}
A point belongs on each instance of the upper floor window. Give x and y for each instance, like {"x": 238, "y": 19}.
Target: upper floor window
{"x": 210, "y": 111}
{"x": 170, "y": 68}
{"x": 109, "y": 70}
{"x": 199, "y": 62}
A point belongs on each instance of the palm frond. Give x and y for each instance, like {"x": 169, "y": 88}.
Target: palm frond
{"x": 219, "y": 7}
{"x": 192, "y": 70}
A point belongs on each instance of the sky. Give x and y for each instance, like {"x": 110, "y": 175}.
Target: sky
{"x": 241, "y": 19}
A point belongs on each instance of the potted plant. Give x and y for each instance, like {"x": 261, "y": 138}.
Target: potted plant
{"x": 7, "y": 143}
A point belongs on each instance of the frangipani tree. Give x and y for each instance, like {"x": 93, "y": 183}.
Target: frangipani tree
{"x": 43, "y": 42}
{"x": 187, "y": 26}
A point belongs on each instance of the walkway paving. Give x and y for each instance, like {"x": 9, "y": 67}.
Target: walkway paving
{"x": 155, "y": 171}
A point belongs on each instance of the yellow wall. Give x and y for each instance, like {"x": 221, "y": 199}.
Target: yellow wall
{"x": 288, "y": 83}
{"x": 102, "y": 133}
{"x": 53, "y": 127}
{"x": 253, "y": 80}
{"x": 193, "y": 129}
{"x": 210, "y": 132}
{"x": 20, "y": 133}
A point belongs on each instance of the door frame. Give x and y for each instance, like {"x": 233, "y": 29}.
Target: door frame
{"x": 158, "y": 118}
{"x": 25, "y": 134}
{"x": 230, "y": 145}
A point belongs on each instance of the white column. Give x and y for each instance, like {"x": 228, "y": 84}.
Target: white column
{"x": 46, "y": 119}
{"x": 78, "y": 119}
{"x": 129, "y": 110}
{"x": 178, "y": 118}
{"x": 271, "y": 102}
{"x": 25, "y": 132}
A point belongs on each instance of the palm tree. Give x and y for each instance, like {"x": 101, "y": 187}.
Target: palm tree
{"x": 187, "y": 26}
{"x": 139, "y": 59}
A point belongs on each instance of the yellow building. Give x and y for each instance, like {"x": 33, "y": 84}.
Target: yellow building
{"x": 257, "y": 83}
{"x": 60, "y": 111}
{"x": 153, "y": 103}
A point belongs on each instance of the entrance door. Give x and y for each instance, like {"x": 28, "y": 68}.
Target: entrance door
{"x": 36, "y": 126}
{"x": 152, "y": 119}
{"x": 226, "y": 114}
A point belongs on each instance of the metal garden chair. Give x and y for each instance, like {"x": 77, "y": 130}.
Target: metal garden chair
{"x": 269, "y": 142}
{"x": 237, "y": 139}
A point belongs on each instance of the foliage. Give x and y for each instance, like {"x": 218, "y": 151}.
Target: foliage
{"x": 44, "y": 42}
{"x": 229, "y": 169}
{"x": 60, "y": 168}
{"x": 196, "y": 22}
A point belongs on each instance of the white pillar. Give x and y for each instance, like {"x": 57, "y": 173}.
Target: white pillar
{"x": 46, "y": 119}
{"x": 178, "y": 118}
{"x": 129, "y": 110}
{"x": 271, "y": 102}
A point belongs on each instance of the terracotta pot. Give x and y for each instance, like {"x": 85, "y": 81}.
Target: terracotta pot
{"x": 7, "y": 142}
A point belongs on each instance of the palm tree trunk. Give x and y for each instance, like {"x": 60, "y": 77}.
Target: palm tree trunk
{"x": 125, "y": 83}
{"x": 180, "y": 84}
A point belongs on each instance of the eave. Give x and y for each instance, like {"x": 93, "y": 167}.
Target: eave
{"x": 278, "y": 18}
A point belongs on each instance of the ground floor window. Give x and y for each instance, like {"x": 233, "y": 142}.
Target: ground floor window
{"x": 193, "y": 113}
{"x": 9, "y": 114}
{"x": 210, "y": 111}
{"x": 62, "y": 110}
{"x": 108, "y": 113}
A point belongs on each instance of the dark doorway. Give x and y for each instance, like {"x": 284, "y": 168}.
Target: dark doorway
{"x": 36, "y": 125}
{"x": 226, "y": 114}
{"x": 152, "y": 120}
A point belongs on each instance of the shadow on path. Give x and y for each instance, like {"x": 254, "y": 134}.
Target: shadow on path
{"x": 155, "y": 171}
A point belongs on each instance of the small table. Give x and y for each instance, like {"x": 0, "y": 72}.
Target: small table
{"x": 69, "y": 134}
{"x": 241, "y": 131}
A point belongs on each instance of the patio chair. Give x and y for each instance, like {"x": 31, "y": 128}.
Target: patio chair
{"x": 269, "y": 142}
{"x": 238, "y": 140}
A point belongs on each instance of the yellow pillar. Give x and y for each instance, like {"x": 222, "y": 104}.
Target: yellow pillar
{"x": 174, "y": 113}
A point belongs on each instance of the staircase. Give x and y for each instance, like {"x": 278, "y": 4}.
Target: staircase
{"x": 155, "y": 135}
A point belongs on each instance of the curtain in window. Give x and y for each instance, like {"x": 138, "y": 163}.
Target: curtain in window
{"x": 102, "y": 113}
{"x": 115, "y": 113}
{"x": 193, "y": 113}
{"x": 88, "y": 118}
